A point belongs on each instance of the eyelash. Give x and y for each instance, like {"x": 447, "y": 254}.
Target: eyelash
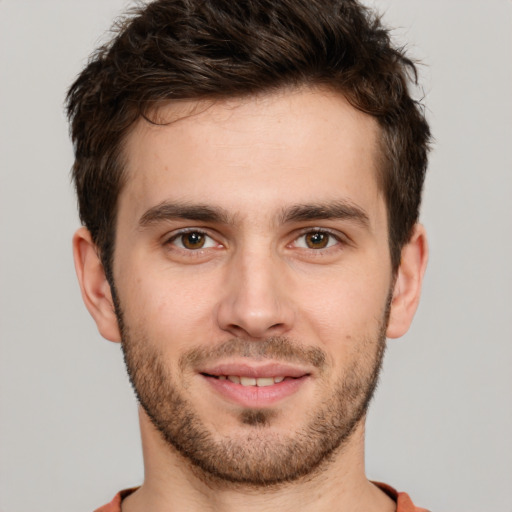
{"x": 184, "y": 232}
{"x": 333, "y": 241}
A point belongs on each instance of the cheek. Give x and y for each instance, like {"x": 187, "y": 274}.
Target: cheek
{"x": 170, "y": 309}
{"x": 349, "y": 306}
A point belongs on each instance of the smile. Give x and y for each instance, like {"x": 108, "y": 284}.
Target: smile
{"x": 255, "y": 386}
{"x": 250, "y": 381}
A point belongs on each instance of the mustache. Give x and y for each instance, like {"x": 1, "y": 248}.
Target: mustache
{"x": 275, "y": 348}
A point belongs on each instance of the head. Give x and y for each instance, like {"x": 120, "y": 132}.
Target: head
{"x": 250, "y": 176}
{"x": 194, "y": 49}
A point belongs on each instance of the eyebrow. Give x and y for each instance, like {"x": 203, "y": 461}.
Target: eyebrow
{"x": 170, "y": 211}
{"x": 340, "y": 209}
{"x": 214, "y": 214}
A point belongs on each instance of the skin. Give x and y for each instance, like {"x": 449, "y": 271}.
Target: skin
{"x": 256, "y": 278}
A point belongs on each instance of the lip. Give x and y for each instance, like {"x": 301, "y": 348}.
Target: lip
{"x": 254, "y": 396}
{"x": 255, "y": 370}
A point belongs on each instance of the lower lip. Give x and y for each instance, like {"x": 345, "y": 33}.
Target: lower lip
{"x": 254, "y": 396}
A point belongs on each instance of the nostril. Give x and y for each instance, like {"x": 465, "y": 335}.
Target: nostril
{"x": 255, "y": 316}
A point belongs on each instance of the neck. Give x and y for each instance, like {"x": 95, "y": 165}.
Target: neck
{"x": 172, "y": 483}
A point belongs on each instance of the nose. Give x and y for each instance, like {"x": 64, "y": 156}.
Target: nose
{"x": 256, "y": 300}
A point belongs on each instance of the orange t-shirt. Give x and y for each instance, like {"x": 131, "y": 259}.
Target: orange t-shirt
{"x": 403, "y": 502}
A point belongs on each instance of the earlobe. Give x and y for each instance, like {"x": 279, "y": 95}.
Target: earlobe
{"x": 95, "y": 288}
{"x": 407, "y": 288}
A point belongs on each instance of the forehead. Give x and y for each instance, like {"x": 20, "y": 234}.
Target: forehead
{"x": 253, "y": 155}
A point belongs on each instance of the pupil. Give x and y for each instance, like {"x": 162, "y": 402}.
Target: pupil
{"x": 317, "y": 240}
{"x": 193, "y": 240}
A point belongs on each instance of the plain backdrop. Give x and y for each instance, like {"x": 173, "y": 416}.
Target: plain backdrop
{"x": 440, "y": 426}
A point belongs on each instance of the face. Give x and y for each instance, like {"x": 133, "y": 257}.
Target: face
{"x": 252, "y": 278}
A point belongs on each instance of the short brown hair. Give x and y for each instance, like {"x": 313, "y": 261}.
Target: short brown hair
{"x": 196, "y": 49}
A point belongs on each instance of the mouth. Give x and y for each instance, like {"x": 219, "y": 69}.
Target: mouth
{"x": 255, "y": 387}
{"x": 260, "y": 382}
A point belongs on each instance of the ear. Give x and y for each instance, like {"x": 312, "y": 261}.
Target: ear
{"x": 407, "y": 288}
{"x": 95, "y": 288}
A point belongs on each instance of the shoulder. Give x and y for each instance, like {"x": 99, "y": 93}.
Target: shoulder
{"x": 115, "y": 504}
{"x": 403, "y": 501}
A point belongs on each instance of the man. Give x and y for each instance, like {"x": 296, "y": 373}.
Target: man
{"x": 249, "y": 177}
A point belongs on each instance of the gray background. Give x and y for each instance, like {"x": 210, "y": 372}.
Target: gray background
{"x": 441, "y": 425}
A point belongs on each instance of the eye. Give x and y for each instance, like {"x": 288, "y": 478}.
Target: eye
{"x": 317, "y": 239}
{"x": 193, "y": 241}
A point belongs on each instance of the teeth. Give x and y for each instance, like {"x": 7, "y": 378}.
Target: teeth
{"x": 264, "y": 381}
{"x": 251, "y": 381}
{"x": 247, "y": 381}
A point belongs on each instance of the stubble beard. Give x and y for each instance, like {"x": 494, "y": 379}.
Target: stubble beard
{"x": 258, "y": 457}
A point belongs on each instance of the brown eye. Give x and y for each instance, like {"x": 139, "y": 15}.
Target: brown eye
{"x": 317, "y": 240}
{"x": 193, "y": 240}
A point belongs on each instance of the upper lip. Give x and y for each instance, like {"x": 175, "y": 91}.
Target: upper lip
{"x": 254, "y": 370}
